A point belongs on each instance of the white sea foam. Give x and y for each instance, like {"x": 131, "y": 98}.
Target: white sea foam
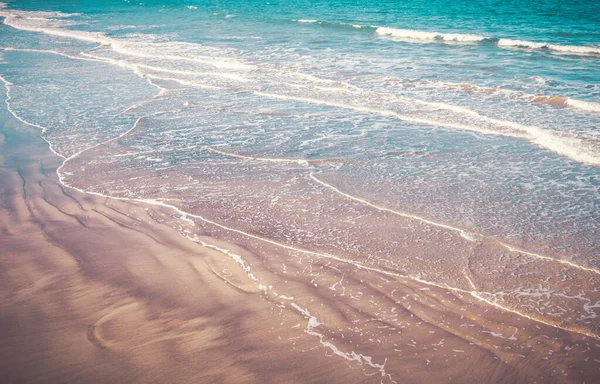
{"x": 583, "y": 105}
{"x": 50, "y": 24}
{"x": 305, "y": 21}
{"x": 554, "y": 48}
{"x": 156, "y": 51}
{"x": 412, "y": 35}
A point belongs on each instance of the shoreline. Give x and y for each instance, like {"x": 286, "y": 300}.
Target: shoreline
{"x": 132, "y": 288}
{"x": 118, "y": 295}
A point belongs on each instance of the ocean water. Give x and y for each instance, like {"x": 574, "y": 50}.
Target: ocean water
{"x": 326, "y": 127}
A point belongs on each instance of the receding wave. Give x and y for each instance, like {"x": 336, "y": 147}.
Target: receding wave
{"x": 584, "y": 50}
{"x": 412, "y": 35}
{"x": 554, "y": 100}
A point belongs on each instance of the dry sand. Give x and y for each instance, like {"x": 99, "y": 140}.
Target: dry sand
{"x": 96, "y": 290}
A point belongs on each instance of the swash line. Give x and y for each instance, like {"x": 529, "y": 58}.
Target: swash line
{"x": 466, "y": 235}
{"x": 471, "y": 237}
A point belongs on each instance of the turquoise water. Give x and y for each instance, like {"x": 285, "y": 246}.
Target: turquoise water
{"x": 318, "y": 125}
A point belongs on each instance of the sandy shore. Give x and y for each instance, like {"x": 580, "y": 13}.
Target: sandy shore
{"x": 101, "y": 290}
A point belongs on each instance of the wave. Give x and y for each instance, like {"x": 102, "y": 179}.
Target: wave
{"x": 577, "y": 149}
{"x": 411, "y": 35}
{"x": 49, "y": 23}
{"x": 584, "y": 50}
{"x": 414, "y": 35}
{"x": 50, "y": 26}
{"x": 585, "y": 105}
{"x": 334, "y": 24}
{"x": 554, "y": 100}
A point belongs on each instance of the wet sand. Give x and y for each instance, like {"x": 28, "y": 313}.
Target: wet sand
{"x": 96, "y": 290}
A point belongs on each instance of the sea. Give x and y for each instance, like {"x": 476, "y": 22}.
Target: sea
{"x": 454, "y": 142}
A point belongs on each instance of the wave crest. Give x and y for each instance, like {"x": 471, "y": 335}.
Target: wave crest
{"x": 410, "y": 34}
{"x": 555, "y": 48}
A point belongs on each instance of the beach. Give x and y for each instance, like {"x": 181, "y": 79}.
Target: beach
{"x": 98, "y": 289}
{"x": 291, "y": 192}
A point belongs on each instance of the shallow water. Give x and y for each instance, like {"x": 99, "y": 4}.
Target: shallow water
{"x": 324, "y": 128}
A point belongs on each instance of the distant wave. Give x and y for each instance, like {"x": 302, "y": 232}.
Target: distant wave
{"x": 333, "y": 24}
{"x": 554, "y": 48}
{"x": 410, "y": 34}
{"x": 414, "y": 35}
{"x": 555, "y": 100}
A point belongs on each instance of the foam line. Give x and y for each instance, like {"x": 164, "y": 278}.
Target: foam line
{"x": 12, "y": 20}
{"x": 121, "y": 48}
{"x": 272, "y": 160}
{"x": 237, "y": 258}
{"x": 464, "y": 234}
{"x": 513, "y": 248}
{"x": 589, "y": 106}
{"x": 384, "y": 112}
{"x": 166, "y": 70}
{"x": 553, "y": 100}
{"x": 313, "y": 323}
